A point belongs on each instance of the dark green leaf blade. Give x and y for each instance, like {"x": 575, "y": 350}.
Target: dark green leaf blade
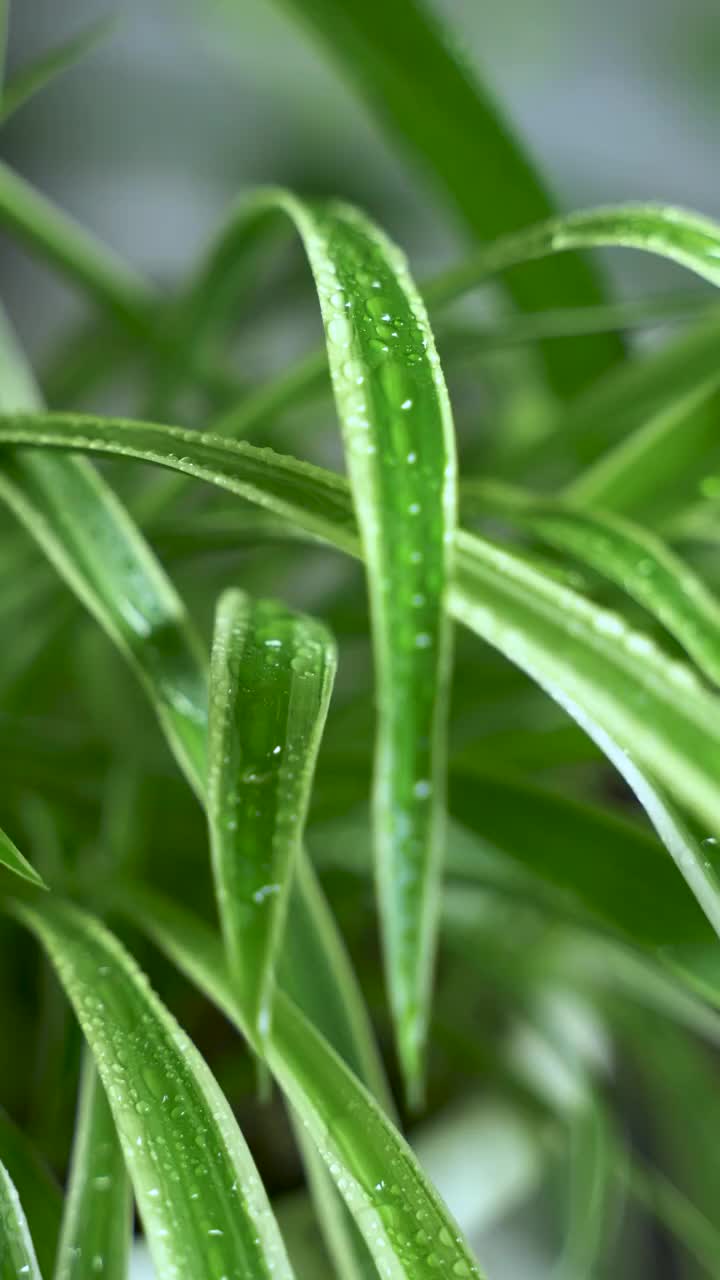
{"x": 17, "y": 1255}
{"x": 30, "y": 80}
{"x": 271, "y": 676}
{"x": 202, "y": 1204}
{"x": 404, "y": 67}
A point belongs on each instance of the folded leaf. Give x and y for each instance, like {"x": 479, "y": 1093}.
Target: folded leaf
{"x": 271, "y": 677}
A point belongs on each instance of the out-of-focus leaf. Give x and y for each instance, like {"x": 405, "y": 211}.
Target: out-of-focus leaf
{"x": 203, "y": 1207}
{"x": 405, "y": 1224}
{"x": 17, "y": 1255}
{"x": 32, "y": 79}
{"x": 39, "y": 1193}
{"x": 97, "y": 1223}
{"x": 403, "y": 65}
{"x": 271, "y": 676}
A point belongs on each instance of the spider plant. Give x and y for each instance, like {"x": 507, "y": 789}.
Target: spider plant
{"x": 399, "y": 782}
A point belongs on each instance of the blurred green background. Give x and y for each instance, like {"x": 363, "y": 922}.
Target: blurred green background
{"x": 187, "y": 105}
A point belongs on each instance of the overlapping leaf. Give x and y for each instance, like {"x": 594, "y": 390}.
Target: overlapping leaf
{"x": 203, "y": 1207}
{"x": 405, "y": 1224}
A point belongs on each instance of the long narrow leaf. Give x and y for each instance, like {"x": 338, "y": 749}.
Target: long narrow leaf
{"x": 174, "y": 673}
{"x": 30, "y": 80}
{"x": 12, "y": 858}
{"x": 17, "y": 1255}
{"x": 599, "y": 670}
{"x": 271, "y": 676}
{"x": 397, "y": 428}
{"x": 636, "y": 560}
{"x": 406, "y": 1226}
{"x": 404, "y": 66}
{"x": 203, "y": 1207}
{"x": 97, "y": 1223}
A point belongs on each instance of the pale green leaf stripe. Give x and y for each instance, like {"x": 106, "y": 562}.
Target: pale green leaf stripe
{"x": 97, "y": 1222}
{"x": 203, "y": 1207}
{"x": 129, "y": 582}
{"x": 31, "y": 79}
{"x": 405, "y": 1224}
{"x": 271, "y": 676}
{"x": 397, "y": 429}
{"x": 584, "y": 656}
{"x": 17, "y": 1256}
{"x": 12, "y": 858}
{"x": 632, "y": 557}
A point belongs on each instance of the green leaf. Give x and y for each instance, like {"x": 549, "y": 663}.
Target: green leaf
{"x": 636, "y": 560}
{"x": 12, "y": 858}
{"x": 39, "y": 1193}
{"x": 397, "y": 429}
{"x": 30, "y": 80}
{"x": 99, "y": 271}
{"x": 653, "y": 384}
{"x": 90, "y": 539}
{"x": 405, "y": 1224}
{"x": 17, "y": 1255}
{"x": 175, "y": 677}
{"x": 685, "y": 237}
{"x": 612, "y": 680}
{"x": 97, "y": 1224}
{"x": 202, "y": 1204}
{"x": 404, "y": 66}
{"x": 271, "y": 676}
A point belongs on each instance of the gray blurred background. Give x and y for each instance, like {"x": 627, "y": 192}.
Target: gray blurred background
{"x": 191, "y": 101}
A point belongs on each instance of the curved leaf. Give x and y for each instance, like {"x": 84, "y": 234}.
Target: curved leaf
{"x": 603, "y": 673}
{"x": 636, "y": 560}
{"x": 271, "y": 676}
{"x": 17, "y": 1256}
{"x": 202, "y": 1204}
{"x": 405, "y": 1224}
{"x": 97, "y": 1223}
{"x": 406, "y": 69}
{"x": 173, "y": 671}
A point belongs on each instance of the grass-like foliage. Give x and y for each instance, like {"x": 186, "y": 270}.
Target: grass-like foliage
{"x": 408, "y": 772}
